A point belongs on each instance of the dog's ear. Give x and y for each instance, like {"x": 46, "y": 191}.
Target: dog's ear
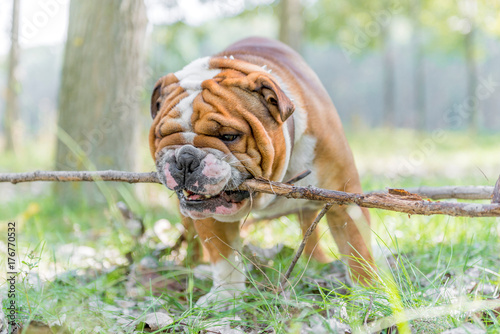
{"x": 155, "y": 99}
{"x": 163, "y": 88}
{"x": 273, "y": 94}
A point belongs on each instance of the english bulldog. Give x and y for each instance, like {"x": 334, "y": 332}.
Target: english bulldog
{"x": 255, "y": 110}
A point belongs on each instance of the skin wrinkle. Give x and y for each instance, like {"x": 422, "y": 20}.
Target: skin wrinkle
{"x": 202, "y": 141}
{"x": 173, "y": 139}
{"x": 216, "y": 113}
{"x": 169, "y": 84}
{"x": 169, "y": 127}
{"x": 225, "y": 63}
{"x": 173, "y": 99}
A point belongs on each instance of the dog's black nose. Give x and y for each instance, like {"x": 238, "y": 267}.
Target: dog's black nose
{"x": 188, "y": 159}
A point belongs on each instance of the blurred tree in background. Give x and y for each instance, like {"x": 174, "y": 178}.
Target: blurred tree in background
{"x": 12, "y": 119}
{"x": 100, "y": 89}
{"x": 418, "y": 71}
{"x": 291, "y": 23}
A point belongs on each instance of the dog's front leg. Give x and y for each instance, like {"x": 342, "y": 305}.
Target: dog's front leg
{"x": 221, "y": 241}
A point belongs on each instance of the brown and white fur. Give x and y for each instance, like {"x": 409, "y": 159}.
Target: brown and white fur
{"x": 254, "y": 110}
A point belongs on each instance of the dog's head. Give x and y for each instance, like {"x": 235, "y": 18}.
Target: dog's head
{"x": 218, "y": 122}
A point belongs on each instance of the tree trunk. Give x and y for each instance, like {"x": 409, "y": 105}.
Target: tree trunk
{"x": 471, "y": 68}
{"x": 12, "y": 103}
{"x": 388, "y": 113}
{"x": 291, "y": 23}
{"x": 418, "y": 68}
{"x": 100, "y": 89}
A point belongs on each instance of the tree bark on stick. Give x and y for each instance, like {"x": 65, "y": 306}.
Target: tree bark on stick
{"x": 80, "y": 176}
{"x": 458, "y": 192}
{"x": 405, "y": 204}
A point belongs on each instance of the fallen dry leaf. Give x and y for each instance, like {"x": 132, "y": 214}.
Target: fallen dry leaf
{"x": 157, "y": 320}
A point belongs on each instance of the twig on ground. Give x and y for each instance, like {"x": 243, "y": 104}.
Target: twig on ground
{"x": 495, "y": 198}
{"x": 365, "y": 321}
{"x": 308, "y": 233}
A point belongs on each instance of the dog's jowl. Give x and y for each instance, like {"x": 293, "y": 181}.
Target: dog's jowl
{"x": 254, "y": 110}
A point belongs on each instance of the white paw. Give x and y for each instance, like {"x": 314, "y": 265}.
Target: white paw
{"x": 222, "y": 298}
{"x": 229, "y": 282}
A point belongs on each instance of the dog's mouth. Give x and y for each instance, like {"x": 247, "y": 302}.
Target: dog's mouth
{"x": 229, "y": 196}
{"x": 224, "y": 204}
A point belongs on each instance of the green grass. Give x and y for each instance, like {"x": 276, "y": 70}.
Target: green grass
{"x": 76, "y": 277}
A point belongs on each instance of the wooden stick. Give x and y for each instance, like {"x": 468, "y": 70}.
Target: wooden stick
{"x": 405, "y": 204}
{"x": 78, "y": 176}
{"x": 435, "y": 193}
{"x": 390, "y": 202}
{"x": 308, "y": 233}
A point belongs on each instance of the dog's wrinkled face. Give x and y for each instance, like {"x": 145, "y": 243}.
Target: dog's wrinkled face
{"x": 217, "y": 123}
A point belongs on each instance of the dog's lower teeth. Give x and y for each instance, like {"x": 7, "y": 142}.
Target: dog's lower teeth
{"x": 194, "y": 196}
{"x": 229, "y": 196}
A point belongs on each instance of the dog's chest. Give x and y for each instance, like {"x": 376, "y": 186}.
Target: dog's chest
{"x": 302, "y": 159}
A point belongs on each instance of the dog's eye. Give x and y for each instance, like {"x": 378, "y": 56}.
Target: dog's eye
{"x": 273, "y": 101}
{"x": 228, "y": 138}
